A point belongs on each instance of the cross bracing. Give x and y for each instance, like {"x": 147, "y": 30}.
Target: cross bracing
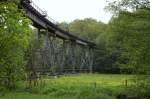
{"x": 56, "y": 51}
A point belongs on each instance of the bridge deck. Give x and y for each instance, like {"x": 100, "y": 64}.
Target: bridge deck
{"x": 40, "y": 21}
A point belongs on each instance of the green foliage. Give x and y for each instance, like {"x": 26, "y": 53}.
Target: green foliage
{"x": 87, "y": 29}
{"x": 91, "y": 30}
{"x": 75, "y": 87}
{"x": 11, "y": 1}
{"x": 64, "y": 26}
{"x": 127, "y": 5}
{"x": 14, "y": 36}
{"x": 122, "y": 43}
{"x": 128, "y": 35}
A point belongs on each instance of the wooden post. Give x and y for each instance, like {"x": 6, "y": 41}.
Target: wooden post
{"x": 95, "y": 85}
{"x": 126, "y": 83}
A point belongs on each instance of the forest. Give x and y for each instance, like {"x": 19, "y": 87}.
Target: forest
{"x": 122, "y": 54}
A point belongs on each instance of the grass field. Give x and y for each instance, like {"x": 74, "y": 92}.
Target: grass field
{"x": 83, "y": 86}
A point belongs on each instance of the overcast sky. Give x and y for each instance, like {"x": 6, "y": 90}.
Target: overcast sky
{"x": 69, "y": 10}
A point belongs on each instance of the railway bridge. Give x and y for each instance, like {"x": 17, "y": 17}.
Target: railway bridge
{"x": 56, "y": 51}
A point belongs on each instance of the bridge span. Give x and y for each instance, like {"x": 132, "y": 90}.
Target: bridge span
{"x": 56, "y": 51}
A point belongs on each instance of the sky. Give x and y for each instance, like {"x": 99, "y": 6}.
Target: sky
{"x": 69, "y": 10}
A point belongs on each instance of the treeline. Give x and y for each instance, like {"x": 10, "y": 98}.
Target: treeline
{"x": 123, "y": 44}
{"x": 92, "y": 30}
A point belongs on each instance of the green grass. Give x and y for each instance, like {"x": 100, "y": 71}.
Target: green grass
{"x": 83, "y": 86}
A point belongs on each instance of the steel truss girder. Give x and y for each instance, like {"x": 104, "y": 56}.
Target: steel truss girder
{"x": 53, "y": 55}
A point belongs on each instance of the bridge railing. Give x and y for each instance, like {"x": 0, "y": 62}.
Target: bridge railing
{"x": 44, "y": 13}
{"x": 52, "y": 20}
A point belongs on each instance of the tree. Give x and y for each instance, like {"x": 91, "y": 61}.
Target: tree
{"x": 14, "y": 37}
{"x": 123, "y": 36}
{"x": 64, "y": 26}
{"x": 127, "y": 5}
{"x": 87, "y": 29}
{"x": 92, "y": 30}
{"x": 129, "y": 36}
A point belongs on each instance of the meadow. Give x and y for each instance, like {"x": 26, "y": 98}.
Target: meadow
{"x": 79, "y": 86}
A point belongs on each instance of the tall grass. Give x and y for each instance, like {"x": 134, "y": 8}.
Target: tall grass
{"x": 82, "y": 86}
